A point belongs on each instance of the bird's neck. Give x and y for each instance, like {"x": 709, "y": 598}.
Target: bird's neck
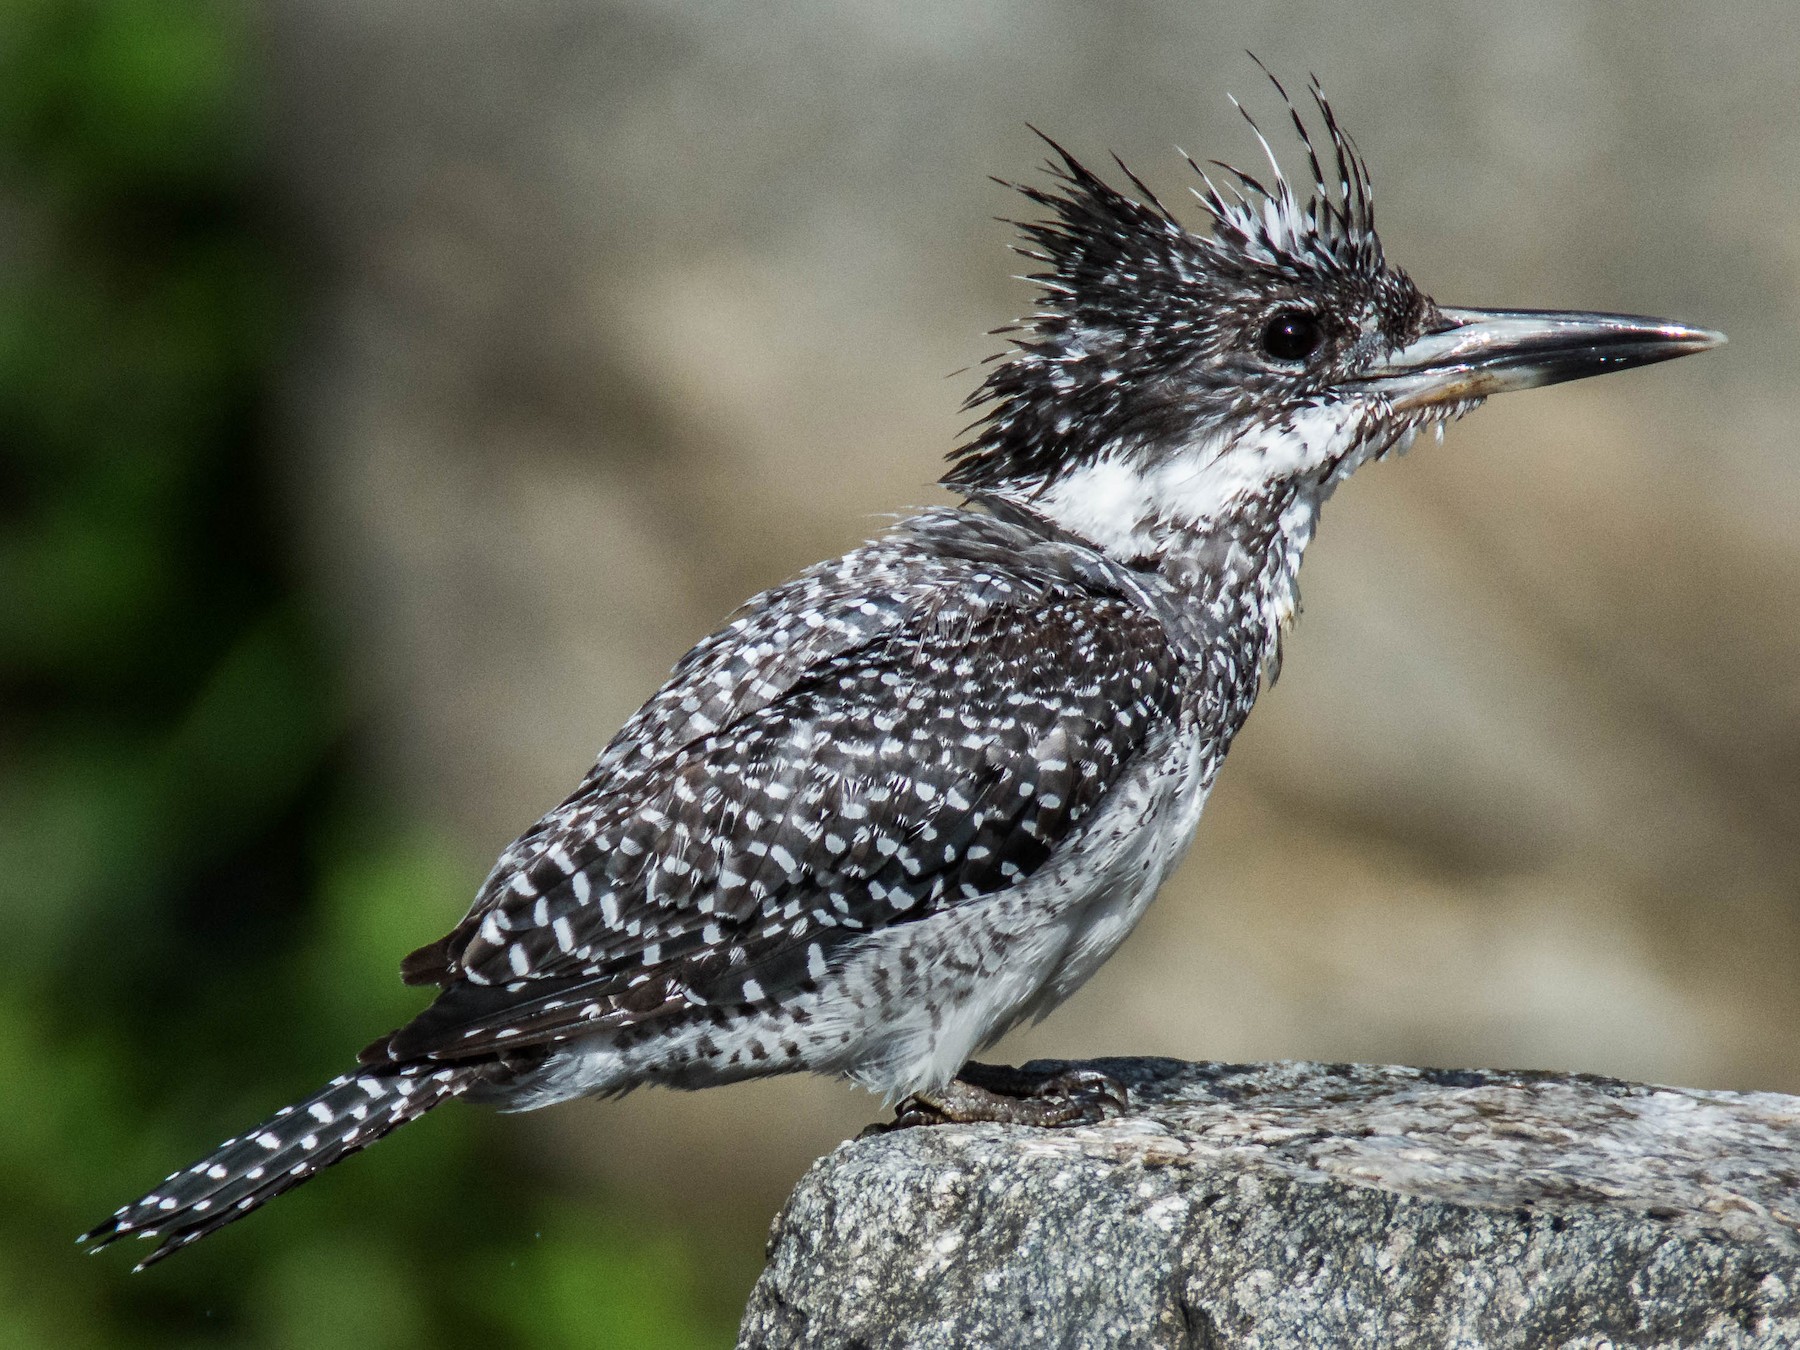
{"x": 1235, "y": 577}
{"x": 1226, "y": 551}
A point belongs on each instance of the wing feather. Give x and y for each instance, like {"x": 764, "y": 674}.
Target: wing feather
{"x": 933, "y": 751}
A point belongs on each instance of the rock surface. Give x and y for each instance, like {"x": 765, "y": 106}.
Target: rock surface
{"x": 1300, "y": 1205}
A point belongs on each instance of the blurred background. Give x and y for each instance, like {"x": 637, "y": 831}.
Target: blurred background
{"x": 391, "y": 391}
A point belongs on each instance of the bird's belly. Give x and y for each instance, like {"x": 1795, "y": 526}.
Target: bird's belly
{"x": 1165, "y": 814}
{"x": 915, "y": 1000}
{"x": 980, "y": 969}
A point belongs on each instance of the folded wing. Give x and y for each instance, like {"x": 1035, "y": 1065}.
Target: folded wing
{"x": 891, "y": 759}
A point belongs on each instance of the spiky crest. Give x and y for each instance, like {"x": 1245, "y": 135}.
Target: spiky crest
{"x": 1335, "y": 226}
{"x": 1126, "y": 289}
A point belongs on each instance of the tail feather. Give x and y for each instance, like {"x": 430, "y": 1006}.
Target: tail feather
{"x": 348, "y": 1113}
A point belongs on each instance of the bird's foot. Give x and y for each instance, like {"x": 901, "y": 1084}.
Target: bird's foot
{"x": 1002, "y": 1095}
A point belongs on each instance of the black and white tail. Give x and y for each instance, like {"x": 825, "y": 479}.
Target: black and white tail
{"x": 348, "y": 1113}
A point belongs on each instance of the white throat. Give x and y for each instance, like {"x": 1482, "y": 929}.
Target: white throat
{"x": 1193, "y": 500}
{"x": 1132, "y": 511}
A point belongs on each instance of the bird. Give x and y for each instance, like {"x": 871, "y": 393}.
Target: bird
{"x": 917, "y": 795}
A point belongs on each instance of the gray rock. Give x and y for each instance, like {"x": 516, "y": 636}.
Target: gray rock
{"x": 1301, "y": 1205}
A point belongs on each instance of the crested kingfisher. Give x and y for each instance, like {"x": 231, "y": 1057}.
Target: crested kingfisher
{"x": 918, "y": 794}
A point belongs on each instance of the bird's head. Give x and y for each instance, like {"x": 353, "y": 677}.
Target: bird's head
{"x": 1173, "y": 378}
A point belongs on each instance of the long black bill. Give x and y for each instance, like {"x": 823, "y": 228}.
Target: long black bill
{"x": 1490, "y": 351}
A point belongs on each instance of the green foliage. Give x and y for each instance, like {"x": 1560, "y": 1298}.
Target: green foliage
{"x": 201, "y": 922}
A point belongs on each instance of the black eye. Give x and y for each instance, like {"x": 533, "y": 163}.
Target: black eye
{"x": 1292, "y": 335}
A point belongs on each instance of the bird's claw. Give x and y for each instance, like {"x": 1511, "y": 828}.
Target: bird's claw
{"x": 1101, "y": 1091}
{"x": 999, "y": 1095}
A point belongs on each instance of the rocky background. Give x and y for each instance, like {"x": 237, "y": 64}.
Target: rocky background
{"x": 601, "y": 315}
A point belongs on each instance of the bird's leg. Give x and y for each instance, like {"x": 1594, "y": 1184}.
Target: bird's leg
{"x": 1003, "y": 1095}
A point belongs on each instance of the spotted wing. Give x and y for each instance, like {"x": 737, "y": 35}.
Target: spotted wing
{"x": 938, "y": 761}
